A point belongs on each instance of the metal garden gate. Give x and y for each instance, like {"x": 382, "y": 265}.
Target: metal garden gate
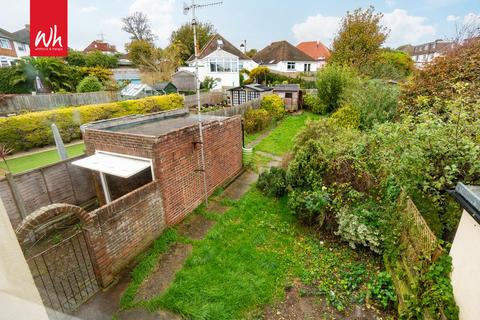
{"x": 64, "y": 275}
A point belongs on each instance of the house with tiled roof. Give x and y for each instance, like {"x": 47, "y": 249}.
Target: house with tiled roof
{"x": 424, "y": 53}
{"x": 316, "y": 50}
{"x": 102, "y": 46}
{"x": 14, "y": 45}
{"x": 282, "y": 56}
{"x": 220, "y": 60}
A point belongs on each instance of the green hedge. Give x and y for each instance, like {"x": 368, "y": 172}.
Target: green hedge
{"x": 31, "y": 130}
{"x": 6, "y": 74}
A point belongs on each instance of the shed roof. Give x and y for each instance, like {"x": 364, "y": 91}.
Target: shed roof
{"x": 287, "y": 87}
{"x": 162, "y": 85}
{"x": 280, "y": 51}
{"x": 254, "y": 86}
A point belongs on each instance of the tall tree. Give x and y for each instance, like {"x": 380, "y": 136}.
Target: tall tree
{"x": 184, "y": 36}
{"x": 359, "y": 39}
{"x": 138, "y": 26}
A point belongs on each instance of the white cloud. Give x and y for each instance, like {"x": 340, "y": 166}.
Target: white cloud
{"x": 405, "y": 28}
{"x": 451, "y": 18}
{"x": 88, "y": 9}
{"x": 319, "y": 27}
{"x": 471, "y": 18}
{"x": 160, "y": 14}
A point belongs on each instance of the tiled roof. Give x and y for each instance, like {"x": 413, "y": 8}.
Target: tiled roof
{"x": 100, "y": 46}
{"x": 314, "y": 49}
{"x": 280, "y": 51}
{"x": 23, "y": 35}
{"x": 213, "y": 44}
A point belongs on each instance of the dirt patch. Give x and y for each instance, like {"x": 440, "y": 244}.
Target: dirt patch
{"x": 301, "y": 303}
{"x": 196, "y": 227}
{"x": 164, "y": 273}
{"x": 136, "y": 314}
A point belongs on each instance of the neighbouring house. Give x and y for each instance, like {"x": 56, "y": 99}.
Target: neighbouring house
{"x": 102, "y": 46}
{"x": 220, "y": 60}
{"x": 137, "y": 91}
{"x": 184, "y": 80}
{"x": 130, "y": 75}
{"x": 426, "y": 52}
{"x": 248, "y": 92}
{"x": 124, "y": 60}
{"x": 465, "y": 254}
{"x": 316, "y": 50}
{"x": 291, "y": 95}
{"x": 281, "y": 56}
{"x": 165, "y": 87}
{"x": 14, "y": 45}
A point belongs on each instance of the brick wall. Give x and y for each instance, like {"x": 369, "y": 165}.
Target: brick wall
{"x": 124, "y": 228}
{"x": 177, "y": 160}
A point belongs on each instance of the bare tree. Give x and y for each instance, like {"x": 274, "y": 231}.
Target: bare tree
{"x": 138, "y": 26}
{"x": 466, "y": 32}
{"x": 4, "y": 152}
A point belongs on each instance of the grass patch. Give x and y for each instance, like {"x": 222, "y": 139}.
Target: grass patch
{"x": 251, "y": 255}
{"x": 147, "y": 263}
{"x": 40, "y": 159}
{"x": 280, "y": 140}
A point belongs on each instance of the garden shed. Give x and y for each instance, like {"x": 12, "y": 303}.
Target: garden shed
{"x": 165, "y": 87}
{"x": 291, "y": 95}
{"x": 137, "y": 91}
{"x": 184, "y": 80}
{"x": 248, "y": 92}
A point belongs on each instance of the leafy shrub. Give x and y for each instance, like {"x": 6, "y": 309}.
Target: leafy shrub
{"x": 6, "y": 85}
{"x": 436, "y": 82}
{"x": 389, "y": 65}
{"x": 381, "y": 290}
{"x": 360, "y": 226}
{"x": 377, "y": 103}
{"x": 256, "y": 120}
{"x": 31, "y": 130}
{"x": 347, "y": 117}
{"x": 309, "y": 206}
{"x": 334, "y": 84}
{"x": 273, "y": 182}
{"x": 99, "y": 59}
{"x": 89, "y": 84}
{"x": 312, "y": 102}
{"x": 274, "y": 105}
{"x": 308, "y": 165}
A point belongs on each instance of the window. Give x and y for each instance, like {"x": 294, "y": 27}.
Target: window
{"x": 252, "y": 95}
{"x": 21, "y": 47}
{"x": 288, "y": 95}
{"x": 4, "y": 64}
{"x": 4, "y": 43}
{"x": 306, "y": 67}
{"x": 242, "y": 97}
{"x": 223, "y": 65}
{"x": 290, "y": 65}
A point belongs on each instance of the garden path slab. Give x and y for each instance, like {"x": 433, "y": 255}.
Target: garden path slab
{"x": 216, "y": 207}
{"x": 195, "y": 228}
{"x": 240, "y": 186}
{"x": 165, "y": 271}
{"x": 136, "y": 314}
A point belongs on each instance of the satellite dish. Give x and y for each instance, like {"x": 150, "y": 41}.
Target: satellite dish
{"x": 185, "y": 8}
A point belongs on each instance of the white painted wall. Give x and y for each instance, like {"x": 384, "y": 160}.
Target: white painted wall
{"x": 20, "y": 53}
{"x": 299, "y": 66}
{"x": 19, "y": 297}
{"x": 465, "y": 255}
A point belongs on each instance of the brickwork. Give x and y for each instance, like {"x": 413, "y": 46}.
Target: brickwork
{"x": 177, "y": 160}
{"x": 124, "y": 228}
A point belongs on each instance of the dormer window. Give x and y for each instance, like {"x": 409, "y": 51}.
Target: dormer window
{"x": 219, "y": 43}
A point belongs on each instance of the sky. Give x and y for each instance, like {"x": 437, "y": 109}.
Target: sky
{"x": 259, "y": 22}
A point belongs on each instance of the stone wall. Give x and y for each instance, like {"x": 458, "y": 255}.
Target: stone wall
{"x": 124, "y": 228}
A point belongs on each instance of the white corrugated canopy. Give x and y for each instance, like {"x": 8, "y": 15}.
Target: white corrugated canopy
{"x": 113, "y": 164}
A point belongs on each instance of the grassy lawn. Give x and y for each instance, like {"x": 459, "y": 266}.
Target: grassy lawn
{"x": 280, "y": 139}
{"x": 39, "y": 159}
{"x": 249, "y": 257}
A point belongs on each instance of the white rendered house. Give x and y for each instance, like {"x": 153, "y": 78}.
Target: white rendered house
{"x": 220, "y": 60}
{"x": 282, "y": 56}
